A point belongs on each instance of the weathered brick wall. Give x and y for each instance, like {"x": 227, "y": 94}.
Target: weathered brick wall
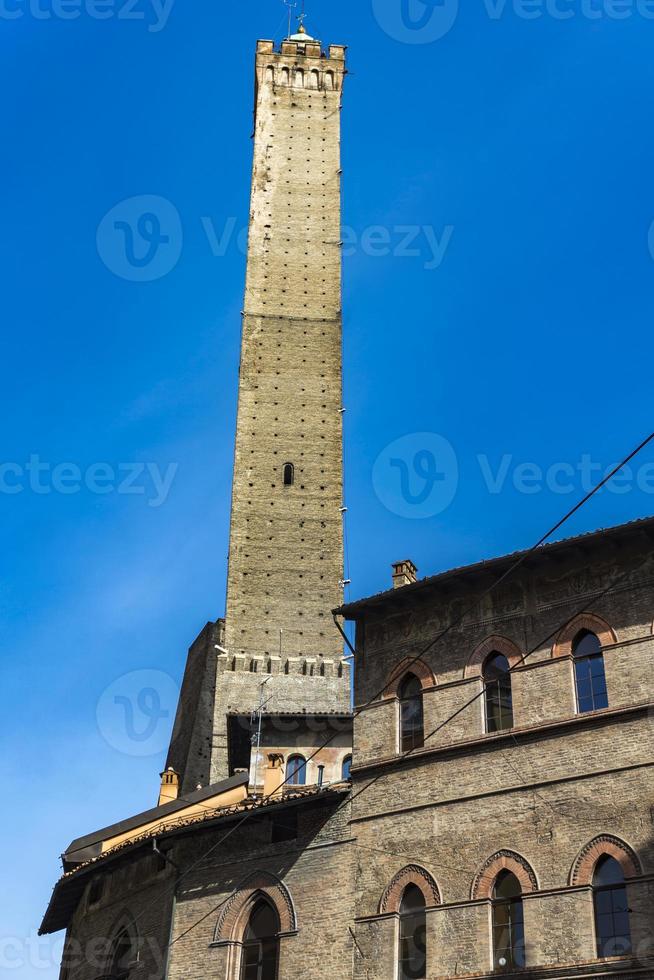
{"x": 286, "y": 542}
{"x": 316, "y": 870}
{"x": 528, "y": 612}
{"x": 135, "y": 892}
{"x": 544, "y": 790}
{"x": 192, "y": 738}
{"x": 286, "y": 553}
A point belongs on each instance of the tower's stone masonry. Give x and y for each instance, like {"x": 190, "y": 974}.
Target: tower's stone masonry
{"x": 286, "y": 552}
{"x": 286, "y": 537}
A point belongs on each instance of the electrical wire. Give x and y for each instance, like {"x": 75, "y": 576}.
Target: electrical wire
{"x": 405, "y": 666}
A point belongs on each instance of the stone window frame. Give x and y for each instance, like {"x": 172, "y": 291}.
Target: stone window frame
{"x": 504, "y": 860}
{"x": 411, "y": 874}
{"x": 492, "y": 644}
{"x": 604, "y": 845}
{"x": 562, "y": 646}
{"x": 233, "y": 919}
{"x": 410, "y": 665}
{"x": 125, "y": 922}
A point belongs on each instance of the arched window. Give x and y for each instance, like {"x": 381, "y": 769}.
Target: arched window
{"x": 296, "y": 770}
{"x": 270, "y": 74}
{"x": 508, "y": 922}
{"x": 590, "y": 679}
{"x": 413, "y": 935}
{"x": 314, "y": 79}
{"x": 123, "y": 956}
{"x": 285, "y": 76}
{"x": 412, "y": 732}
{"x": 612, "y": 927}
{"x": 289, "y": 474}
{"x": 347, "y": 765}
{"x": 498, "y": 695}
{"x": 329, "y": 80}
{"x": 260, "y": 943}
{"x": 299, "y": 78}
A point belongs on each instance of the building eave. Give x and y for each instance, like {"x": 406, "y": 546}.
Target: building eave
{"x": 478, "y": 570}
{"x": 70, "y": 887}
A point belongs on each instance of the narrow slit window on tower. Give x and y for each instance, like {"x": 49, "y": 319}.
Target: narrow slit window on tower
{"x": 289, "y": 474}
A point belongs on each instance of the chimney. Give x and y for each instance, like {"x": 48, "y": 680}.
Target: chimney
{"x": 169, "y": 786}
{"x": 273, "y": 776}
{"x": 404, "y": 573}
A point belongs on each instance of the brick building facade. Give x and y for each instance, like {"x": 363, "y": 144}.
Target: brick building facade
{"x": 538, "y": 787}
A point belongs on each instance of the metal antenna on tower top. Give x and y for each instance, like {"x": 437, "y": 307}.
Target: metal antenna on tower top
{"x": 291, "y": 6}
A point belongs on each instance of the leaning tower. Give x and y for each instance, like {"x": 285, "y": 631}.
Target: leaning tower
{"x": 286, "y": 542}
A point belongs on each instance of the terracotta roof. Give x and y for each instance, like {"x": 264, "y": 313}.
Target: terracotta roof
{"x": 70, "y": 887}
{"x": 83, "y": 849}
{"x": 351, "y": 610}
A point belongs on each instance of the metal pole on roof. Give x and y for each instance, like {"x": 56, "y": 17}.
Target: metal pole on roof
{"x": 257, "y": 737}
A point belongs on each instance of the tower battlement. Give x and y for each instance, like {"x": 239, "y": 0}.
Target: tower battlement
{"x": 286, "y": 666}
{"x": 310, "y": 48}
{"x": 301, "y": 65}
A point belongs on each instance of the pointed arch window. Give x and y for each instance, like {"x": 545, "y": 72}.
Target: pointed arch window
{"x": 413, "y": 935}
{"x": 123, "y": 956}
{"x": 612, "y": 926}
{"x": 289, "y": 474}
{"x": 296, "y": 770}
{"x": 412, "y": 725}
{"x": 590, "y": 678}
{"x": 498, "y": 694}
{"x": 508, "y": 922}
{"x": 261, "y": 944}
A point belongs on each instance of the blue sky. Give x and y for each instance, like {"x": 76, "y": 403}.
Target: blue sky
{"x": 512, "y": 155}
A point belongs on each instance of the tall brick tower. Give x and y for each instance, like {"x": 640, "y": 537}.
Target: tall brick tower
{"x": 286, "y": 542}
